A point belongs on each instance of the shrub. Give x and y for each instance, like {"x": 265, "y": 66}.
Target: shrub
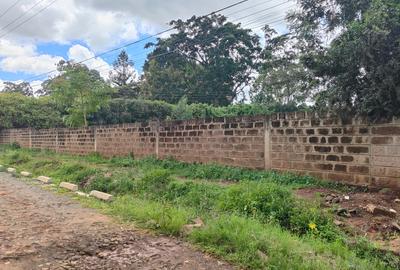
{"x": 201, "y": 197}
{"x": 17, "y": 158}
{"x": 265, "y": 201}
{"x": 75, "y": 173}
{"x": 128, "y": 161}
{"x": 155, "y": 182}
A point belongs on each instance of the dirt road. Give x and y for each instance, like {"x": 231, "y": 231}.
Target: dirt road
{"x": 43, "y": 230}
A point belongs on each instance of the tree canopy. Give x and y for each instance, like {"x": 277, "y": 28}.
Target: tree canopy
{"x": 23, "y": 88}
{"x": 79, "y": 91}
{"x": 123, "y": 77}
{"x": 208, "y": 60}
{"x": 360, "y": 66}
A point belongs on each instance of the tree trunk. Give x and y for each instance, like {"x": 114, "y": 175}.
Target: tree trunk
{"x": 85, "y": 118}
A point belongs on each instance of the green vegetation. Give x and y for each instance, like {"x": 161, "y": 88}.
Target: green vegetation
{"x": 78, "y": 91}
{"x": 19, "y": 111}
{"x": 338, "y": 57}
{"x": 251, "y": 217}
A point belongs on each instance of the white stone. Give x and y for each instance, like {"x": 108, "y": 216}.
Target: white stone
{"x": 69, "y": 186}
{"x": 11, "y": 170}
{"x": 44, "y": 179}
{"x": 83, "y": 194}
{"x": 347, "y": 198}
{"x": 26, "y": 174}
{"x": 101, "y": 195}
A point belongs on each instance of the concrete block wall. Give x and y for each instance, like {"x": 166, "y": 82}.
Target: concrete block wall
{"x": 78, "y": 141}
{"x": 355, "y": 152}
{"x": 20, "y": 136}
{"x": 139, "y": 139}
{"x": 230, "y": 141}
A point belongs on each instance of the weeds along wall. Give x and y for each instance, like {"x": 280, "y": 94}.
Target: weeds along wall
{"x": 354, "y": 152}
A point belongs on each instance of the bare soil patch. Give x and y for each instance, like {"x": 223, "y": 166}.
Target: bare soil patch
{"x": 42, "y": 230}
{"x": 353, "y": 215}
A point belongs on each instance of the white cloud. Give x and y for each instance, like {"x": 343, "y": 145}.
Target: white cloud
{"x": 103, "y": 24}
{"x": 79, "y": 53}
{"x": 11, "y": 49}
{"x": 35, "y": 64}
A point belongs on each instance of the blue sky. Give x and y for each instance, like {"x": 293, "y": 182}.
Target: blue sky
{"x": 72, "y": 29}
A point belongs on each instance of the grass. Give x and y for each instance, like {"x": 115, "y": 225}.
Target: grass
{"x": 255, "y": 221}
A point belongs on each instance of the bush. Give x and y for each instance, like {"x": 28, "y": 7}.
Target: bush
{"x": 18, "y": 111}
{"x": 17, "y": 158}
{"x": 155, "y": 183}
{"x": 75, "y": 173}
{"x": 264, "y": 201}
{"x": 132, "y": 110}
{"x": 202, "y": 197}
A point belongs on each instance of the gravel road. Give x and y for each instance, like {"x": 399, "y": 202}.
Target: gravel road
{"x": 43, "y": 230}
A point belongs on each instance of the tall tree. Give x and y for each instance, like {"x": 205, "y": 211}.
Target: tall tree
{"x": 354, "y": 46}
{"x": 283, "y": 80}
{"x": 23, "y": 88}
{"x": 80, "y": 91}
{"x": 124, "y": 77}
{"x": 208, "y": 60}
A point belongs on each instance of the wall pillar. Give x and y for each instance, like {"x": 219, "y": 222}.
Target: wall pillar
{"x": 267, "y": 144}
{"x": 157, "y": 132}
{"x": 30, "y": 138}
{"x": 95, "y": 139}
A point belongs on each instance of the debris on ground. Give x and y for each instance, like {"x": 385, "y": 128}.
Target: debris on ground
{"x": 370, "y": 214}
{"x": 188, "y": 228}
{"x": 380, "y": 210}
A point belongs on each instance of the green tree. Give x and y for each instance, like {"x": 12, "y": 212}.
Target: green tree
{"x": 283, "y": 80}
{"x": 80, "y": 91}
{"x": 354, "y": 46}
{"x": 19, "y": 111}
{"x": 123, "y": 77}
{"x": 23, "y": 88}
{"x": 208, "y": 60}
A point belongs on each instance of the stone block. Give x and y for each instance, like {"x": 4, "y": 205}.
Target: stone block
{"x": 382, "y": 140}
{"x": 82, "y": 194}
{"x": 69, "y": 186}
{"x": 44, "y": 179}
{"x": 11, "y": 170}
{"x": 26, "y": 174}
{"x": 101, "y": 195}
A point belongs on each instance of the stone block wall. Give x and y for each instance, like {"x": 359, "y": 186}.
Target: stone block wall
{"x": 355, "y": 152}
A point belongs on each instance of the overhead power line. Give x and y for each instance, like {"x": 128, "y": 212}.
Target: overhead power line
{"x": 140, "y": 40}
{"x": 28, "y": 19}
{"x": 22, "y": 15}
{"x": 9, "y": 8}
{"x": 142, "y": 56}
{"x": 253, "y": 6}
{"x": 261, "y": 11}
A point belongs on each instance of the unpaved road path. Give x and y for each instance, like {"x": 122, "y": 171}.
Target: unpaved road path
{"x": 43, "y": 230}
